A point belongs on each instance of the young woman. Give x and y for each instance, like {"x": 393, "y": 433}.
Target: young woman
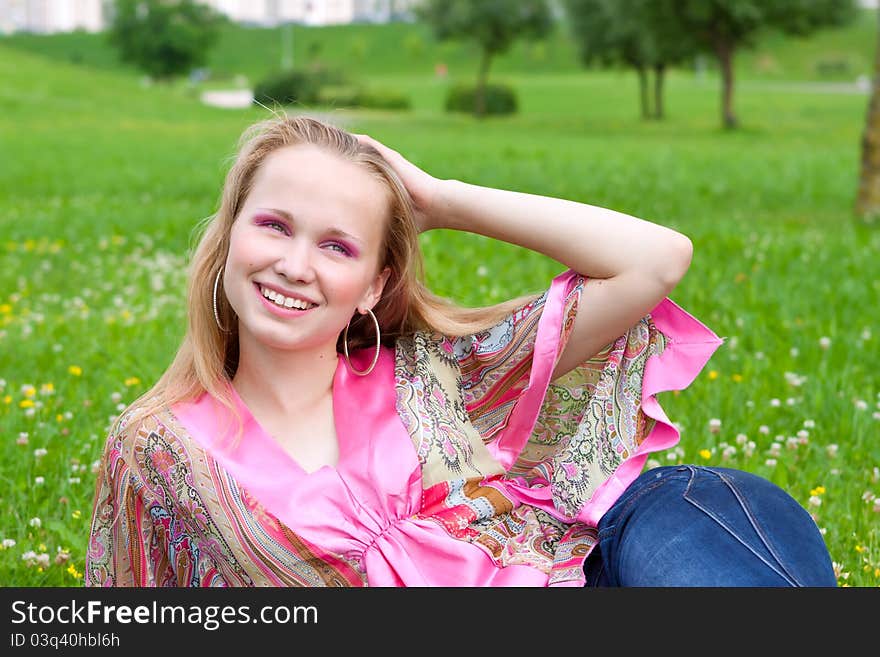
{"x": 329, "y": 421}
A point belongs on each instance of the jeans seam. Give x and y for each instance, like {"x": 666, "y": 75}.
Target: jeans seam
{"x": 612, "y": 530}
{"x": 786, "y": 575}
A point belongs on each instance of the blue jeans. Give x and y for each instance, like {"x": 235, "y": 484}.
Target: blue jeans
{"x": 692, "y": 525}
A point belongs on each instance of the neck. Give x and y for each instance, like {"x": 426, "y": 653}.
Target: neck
{"x": 288, "y": 383}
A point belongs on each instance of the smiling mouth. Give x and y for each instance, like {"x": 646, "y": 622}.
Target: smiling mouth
{"x": 283, "y": 302}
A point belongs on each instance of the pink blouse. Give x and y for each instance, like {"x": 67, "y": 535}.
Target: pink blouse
{"x": 460, "y": 464}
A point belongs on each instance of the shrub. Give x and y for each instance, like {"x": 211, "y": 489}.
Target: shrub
{"x": 358, "y": 96}
{"x": 500, "y": 99}
{"x": 300, "y": 86}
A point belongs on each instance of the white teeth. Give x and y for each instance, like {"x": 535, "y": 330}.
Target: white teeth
{"x": 283, "y": 301}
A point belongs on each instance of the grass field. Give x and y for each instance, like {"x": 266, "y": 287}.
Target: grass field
{"x": 102, "y": 182}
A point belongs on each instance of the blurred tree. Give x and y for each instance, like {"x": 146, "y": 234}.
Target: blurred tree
{"x": 624, "y": 32}
{"x": 164, "y": 38}
{"x": 721, "y": 27}
{"x": 868, "y": 197}
{"x": 494, "y": 24}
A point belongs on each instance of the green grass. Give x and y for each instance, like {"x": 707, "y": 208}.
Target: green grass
{"x": 102, "y": 182}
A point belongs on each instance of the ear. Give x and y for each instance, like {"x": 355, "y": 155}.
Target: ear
{"x": 374, "y": 293}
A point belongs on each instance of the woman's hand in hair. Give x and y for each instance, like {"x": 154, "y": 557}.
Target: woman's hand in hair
{"x": 422, "y": 187}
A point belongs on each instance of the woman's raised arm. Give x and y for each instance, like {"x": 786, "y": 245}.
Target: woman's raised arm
{"x": 633, "y": 263}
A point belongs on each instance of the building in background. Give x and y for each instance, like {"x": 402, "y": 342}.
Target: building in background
{"x": 47, "y": 16}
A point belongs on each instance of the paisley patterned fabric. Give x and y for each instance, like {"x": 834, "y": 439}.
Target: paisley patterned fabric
{"x": 461, "y": 464}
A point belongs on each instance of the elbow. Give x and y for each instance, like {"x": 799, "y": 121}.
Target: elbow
{"x": 678, "y": 261}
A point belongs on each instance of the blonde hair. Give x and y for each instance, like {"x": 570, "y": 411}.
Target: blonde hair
{"x": 208, "y": 357}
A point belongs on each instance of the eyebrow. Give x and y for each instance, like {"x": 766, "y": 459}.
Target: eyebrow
{"x": 333, "y": 230}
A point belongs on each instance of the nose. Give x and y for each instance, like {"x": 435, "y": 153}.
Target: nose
{"x": 294, "y": 262}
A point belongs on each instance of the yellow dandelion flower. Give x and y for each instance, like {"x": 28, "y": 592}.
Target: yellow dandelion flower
{"x": 713, "y": 374}
{"x": 42, "y": 547}
{"x": 737, "y": 378}
{"x": 877, "y": 572}
{"x": 76, "y": 515}
{"x": 47, "y": 388}
{"x": 125, "y": 314}
{"x": 39, "y": 569}
{"x": 7, "y": 399}
{"x": 74, "y": 572}
{"x": 29, "y": 245}
{"x": 29, "y": 391}
{"x": 76, "y": 370}
{"x": 818, "y": 490}
{"x": 860, "y": 548}
{"x": 5, "y": 308}
{"x": 705, "y": 454}
{"x": 26, "y": 403}
{"x": 132, "y": 381}
{"x": 59, "y": 417}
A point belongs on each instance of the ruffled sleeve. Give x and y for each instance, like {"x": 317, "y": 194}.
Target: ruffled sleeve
{"x": 573, "y": 445}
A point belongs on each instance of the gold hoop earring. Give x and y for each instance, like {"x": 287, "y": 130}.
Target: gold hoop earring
{"x": 216, "y": 314}
{"x": 378, "y": 346}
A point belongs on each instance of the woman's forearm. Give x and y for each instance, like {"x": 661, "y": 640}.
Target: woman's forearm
{"x": 591, "y": 240}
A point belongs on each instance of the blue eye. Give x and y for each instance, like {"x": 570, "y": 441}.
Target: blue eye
{"x": 341, "y": 248}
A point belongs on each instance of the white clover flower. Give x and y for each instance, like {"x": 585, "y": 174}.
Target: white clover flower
{"x": 42, "y": 560}
{"x": 770, "y": 463}
{"x": 791, "y": 401}
{"x": 22, "y": 438}
{"x": 831, "y": 450}
{"x": 8, "y": 543}
{"x": 775, "y": 402}
{"x": 794, "y": 351}
{"x": 809, "y": 424}
{"x": 39, "y": 481}
{"x": 116, "y": 397}
{"x": 815, "y": 500}
{"x": 482, "y": 271}
{"x": 759, "y": 355}
{"x": 876, "y": 508}
{"x": 775, "y": 449}
{"x": 40, "y": 452}
{"x": 35, "y": 522}
{"x": 29, "y": 412}
{"x": 653, "y": 463}
{"x": 728, "y": 453}
{"x": 714, "y": 425}
{"x": 671, "y": 456}
{"x": 764, "y": 429}
{"x": 824, "y": 342}
{"x": 73, "y": 480}
{"x": 876, "y": 415}
{"x": 866, "y": 334}
{"x": 741, "y": 439}
{"x": 791, "y": 443}
{"x": 861, "y": 404}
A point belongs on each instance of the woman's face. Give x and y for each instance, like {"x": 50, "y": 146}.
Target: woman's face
{"x": 310, "y": 229}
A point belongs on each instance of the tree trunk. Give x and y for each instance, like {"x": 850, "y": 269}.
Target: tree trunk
{"x": 482, "y": 79}
{"x": 659, "y": 70}
{"x": 643, "y": 93}
{"x": 724, "y": 51}
{"x": 868, "y": 198}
